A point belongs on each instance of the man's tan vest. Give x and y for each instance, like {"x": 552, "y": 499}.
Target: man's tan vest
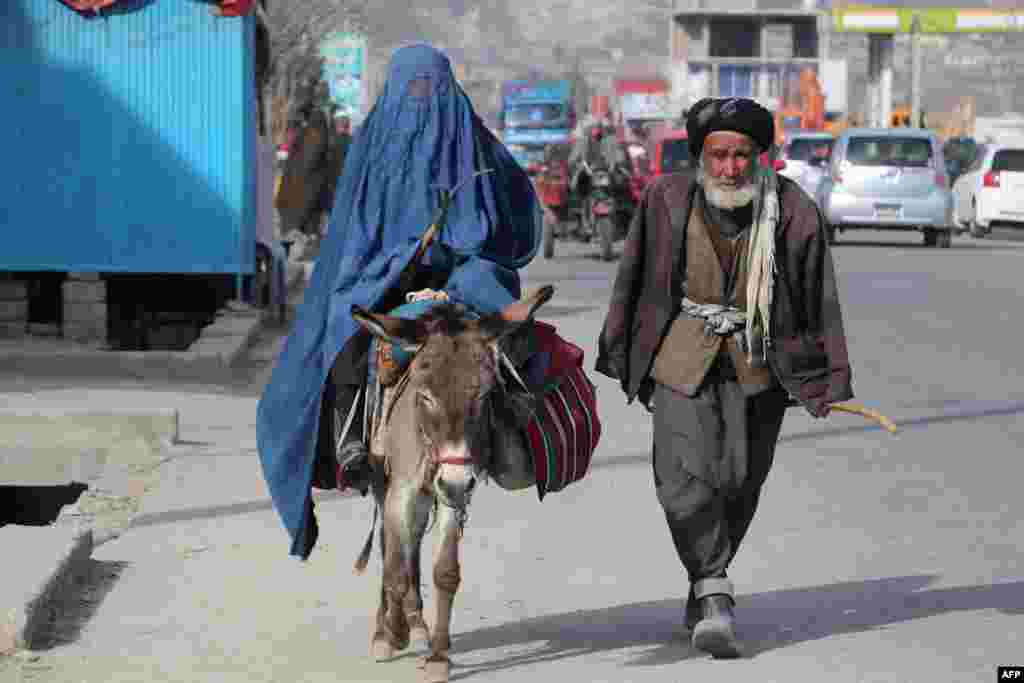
{"x": 688, "y": 351}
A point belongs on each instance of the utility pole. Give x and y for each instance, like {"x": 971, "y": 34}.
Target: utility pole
{"x": 915, "y": 74}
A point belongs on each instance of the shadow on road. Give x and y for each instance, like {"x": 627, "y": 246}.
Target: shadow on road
{"x": 953, "y": 411}
{"x": 77, "y": 603}
{"x": 766, "y": 621}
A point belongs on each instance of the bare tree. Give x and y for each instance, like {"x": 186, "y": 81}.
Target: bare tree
{"x": 295, "y": 30}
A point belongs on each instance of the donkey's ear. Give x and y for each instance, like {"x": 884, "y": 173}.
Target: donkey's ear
{"x": 516, "y": 314}
{"x": 401, "y": 332}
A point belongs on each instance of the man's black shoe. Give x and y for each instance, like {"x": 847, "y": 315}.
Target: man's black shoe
{"x": 714, "y": 633}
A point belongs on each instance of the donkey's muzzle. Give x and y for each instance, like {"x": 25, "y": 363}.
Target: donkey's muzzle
{"x": 456, "y": 490}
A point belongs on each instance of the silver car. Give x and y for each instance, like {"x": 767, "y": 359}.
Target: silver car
{"x": 888, "y": 179}
{"x": 804, "y": 159}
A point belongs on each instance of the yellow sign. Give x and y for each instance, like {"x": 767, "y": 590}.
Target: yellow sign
{"x": 869, "y": 19}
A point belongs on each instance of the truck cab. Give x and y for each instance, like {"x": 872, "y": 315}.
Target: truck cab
{"x": 536, "y": 114}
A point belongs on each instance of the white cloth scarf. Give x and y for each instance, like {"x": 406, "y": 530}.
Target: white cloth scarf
{"x": 761, "y": 261}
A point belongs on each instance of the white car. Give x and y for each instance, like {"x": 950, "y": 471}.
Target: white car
{"x": 804, "y": 159}
{"x": 990, "y": 193}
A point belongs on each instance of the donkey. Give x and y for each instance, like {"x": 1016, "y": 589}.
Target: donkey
{"x": 434, "y": 448}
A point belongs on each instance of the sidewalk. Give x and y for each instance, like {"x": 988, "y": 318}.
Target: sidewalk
{"x": 112, "y": 440}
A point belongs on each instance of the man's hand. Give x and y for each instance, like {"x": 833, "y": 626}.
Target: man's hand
{"x": 820, "y": 409}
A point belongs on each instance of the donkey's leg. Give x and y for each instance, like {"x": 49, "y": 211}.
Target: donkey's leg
{"x": 406, "y": 512}
{"x": 380, "y": 643}
{"x": 447, "y": 576}
{"x": 418, "y": 631}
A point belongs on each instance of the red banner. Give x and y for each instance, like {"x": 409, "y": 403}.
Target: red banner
{"x": 236, "y": 8}
{"x": 228, "y": 8}
{"x": 88, "y": 5}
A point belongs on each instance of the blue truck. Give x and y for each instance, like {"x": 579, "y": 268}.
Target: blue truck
{"x": 535, "y": 114}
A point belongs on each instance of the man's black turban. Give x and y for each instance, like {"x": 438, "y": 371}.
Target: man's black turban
{"x": 736, "y": 114}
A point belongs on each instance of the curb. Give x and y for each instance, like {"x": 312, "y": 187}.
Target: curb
{"x": 51, "y": 558}
{"x": 212, "y": 357}
{"x": 29, "y": 610}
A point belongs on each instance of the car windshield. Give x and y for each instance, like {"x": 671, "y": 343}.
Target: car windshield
{"x": 804, "y": 149}
{"x": 1008, "y": 160}
{"x": 961, "y": 150}
{"x": 533, "y": 114}
{"x": 890, "y": 151}
{"x": 675, "y": 156}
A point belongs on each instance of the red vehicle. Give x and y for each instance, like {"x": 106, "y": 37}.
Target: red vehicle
{"x": 551, "y": 179}
{"x": 669, "y": 152}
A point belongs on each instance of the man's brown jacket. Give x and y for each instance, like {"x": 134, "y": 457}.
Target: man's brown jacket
{"x": 806, "y": 346}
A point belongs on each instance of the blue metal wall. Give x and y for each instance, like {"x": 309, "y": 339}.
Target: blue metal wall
{"x": 129, "y": 139}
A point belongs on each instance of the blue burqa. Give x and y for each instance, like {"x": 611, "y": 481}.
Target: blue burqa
{"x": 422, "y": 135}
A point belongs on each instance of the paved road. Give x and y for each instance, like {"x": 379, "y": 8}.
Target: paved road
{"x": 873, "y": 558}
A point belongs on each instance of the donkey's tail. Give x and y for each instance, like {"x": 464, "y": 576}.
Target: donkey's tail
{"x": 364, "y": 555}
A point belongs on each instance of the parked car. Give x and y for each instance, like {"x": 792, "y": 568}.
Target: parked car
{"x": 991, "y": 191}
{"x": 888, "y": 179}
{"x": 804, "y": 159}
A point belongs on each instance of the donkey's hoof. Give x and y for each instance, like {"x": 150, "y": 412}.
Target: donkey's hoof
{"x": 436, "y": 669}
{"x": 381, "y": 650}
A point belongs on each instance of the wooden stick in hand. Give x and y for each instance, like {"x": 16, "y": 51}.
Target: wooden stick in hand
{"x": 856, "y": 409}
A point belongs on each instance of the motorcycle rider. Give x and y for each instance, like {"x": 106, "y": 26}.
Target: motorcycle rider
{"x": 597, "y": 149}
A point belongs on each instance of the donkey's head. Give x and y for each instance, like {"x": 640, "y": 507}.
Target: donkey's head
{"x": 455, "y": 365}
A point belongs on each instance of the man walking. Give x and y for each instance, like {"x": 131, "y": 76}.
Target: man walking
{"x": 724, "y": 313}
{"x": 337, "y": 150}
{"x": 299, "y": 198}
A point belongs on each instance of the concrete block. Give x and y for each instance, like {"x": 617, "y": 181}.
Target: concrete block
{"x": 84, "y": 292}
{"x": 230, "y": 326}
{"x": 13, "y": 330}
{"x": 173, "y": 337}
{"x": 13, "y": 311}
{"x": 13, "y": 290}
{"x": 44, "y": 329}
{"x": 85, "y": 312}
{"x": 85, "y": 277}
{"x": 84, "y": 332}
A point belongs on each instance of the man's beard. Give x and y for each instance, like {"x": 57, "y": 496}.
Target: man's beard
{"x": 726, "y": 195}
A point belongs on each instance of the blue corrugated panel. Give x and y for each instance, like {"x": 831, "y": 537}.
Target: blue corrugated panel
{"x": 131, "y": 138}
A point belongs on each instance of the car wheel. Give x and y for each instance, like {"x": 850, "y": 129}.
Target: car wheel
{"x": 945, "y": 239}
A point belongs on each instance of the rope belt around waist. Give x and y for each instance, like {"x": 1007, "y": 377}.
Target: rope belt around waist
{"x": 718, "y": 319}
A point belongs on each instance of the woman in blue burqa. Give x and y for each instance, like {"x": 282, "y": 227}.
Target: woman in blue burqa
{"x": 421, "y": 136}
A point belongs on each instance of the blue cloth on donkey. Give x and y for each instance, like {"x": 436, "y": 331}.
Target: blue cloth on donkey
{"x": 421, "y": 136}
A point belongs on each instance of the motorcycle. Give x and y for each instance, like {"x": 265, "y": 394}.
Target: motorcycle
{"x": 600, "y": 209}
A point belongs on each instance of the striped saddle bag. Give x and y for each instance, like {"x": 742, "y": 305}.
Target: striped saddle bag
{"x": 565, "y": 429}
